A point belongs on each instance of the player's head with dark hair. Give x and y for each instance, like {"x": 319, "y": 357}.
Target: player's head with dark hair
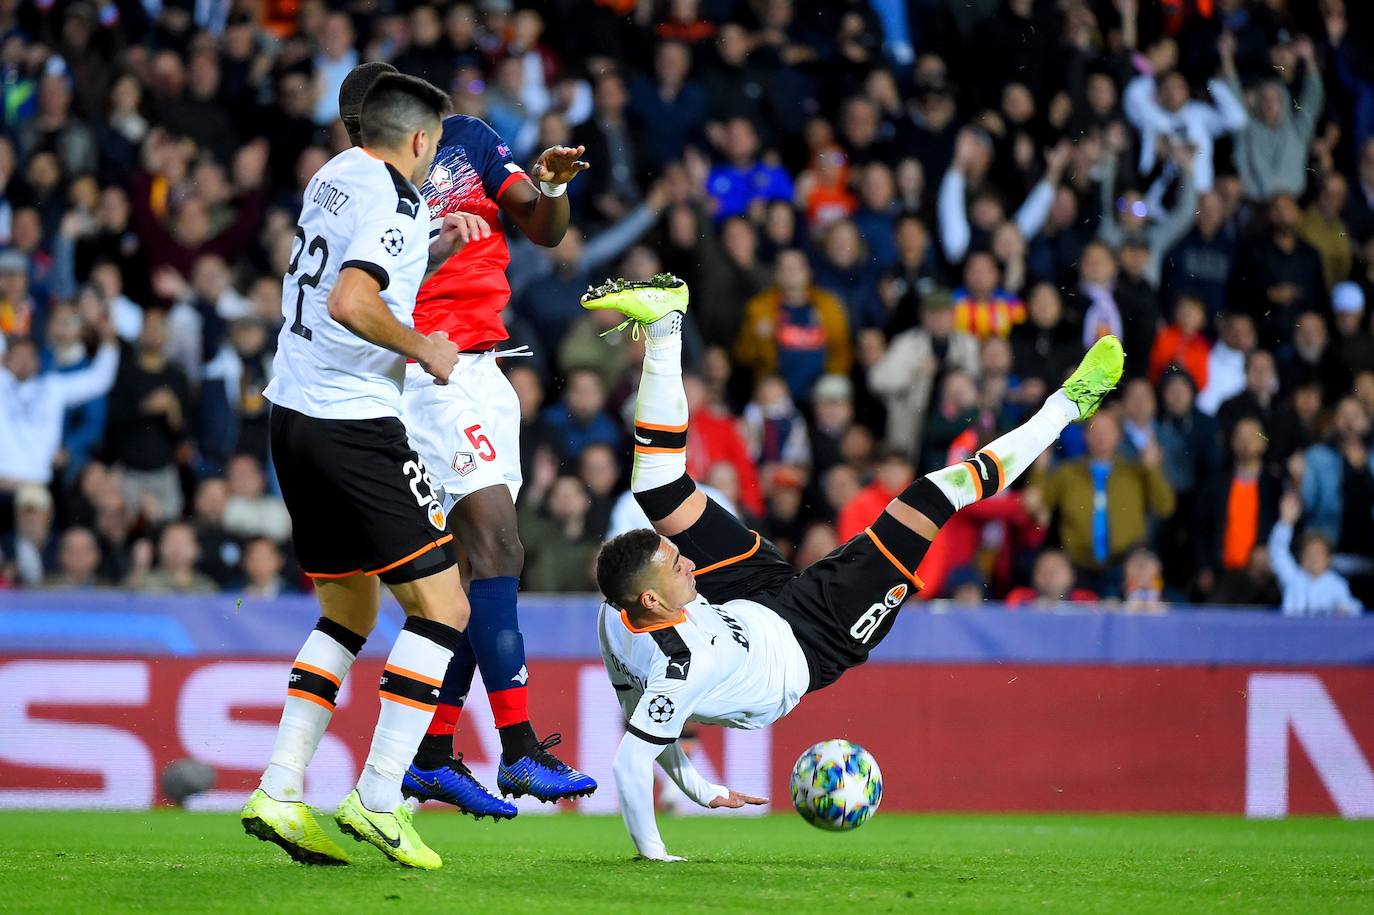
{"x": 642, "y": 573}
{"x": 403, "y": 114}
{"x": 351, "y": 94}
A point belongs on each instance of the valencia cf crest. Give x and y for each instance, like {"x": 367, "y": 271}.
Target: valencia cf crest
{"x": 436, "y": 515}
{"x": 895, "y": 596}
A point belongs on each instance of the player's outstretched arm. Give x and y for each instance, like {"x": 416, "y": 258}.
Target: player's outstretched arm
{"x": 679, "y": 767}
{"x": 634, "y": 781}
{"x": 356, "y": 303}
{"x": 542, "y": 216}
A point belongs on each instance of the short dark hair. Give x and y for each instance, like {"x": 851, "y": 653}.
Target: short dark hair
{"x": 354, "y": 89}
{"x": 621, "y": 561}
{"x": 396, "y": 106}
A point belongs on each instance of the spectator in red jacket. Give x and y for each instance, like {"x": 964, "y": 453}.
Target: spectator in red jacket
{"x": 892, "y": 474}
{"x": 1052, "y": 583}
{"x": 714, "y": 437}
{"x": 1183, "y": 343}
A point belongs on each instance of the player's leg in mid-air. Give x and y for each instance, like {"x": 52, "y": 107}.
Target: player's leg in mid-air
{"x": 468, "y": 434}
{"x": 730, "y": 560}
{"x": 843, "y": 605}
{"x": 362, "y": 511}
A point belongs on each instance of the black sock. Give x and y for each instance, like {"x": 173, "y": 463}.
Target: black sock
{"x": 435, "y": 751}
{"x": 517, "y": 740}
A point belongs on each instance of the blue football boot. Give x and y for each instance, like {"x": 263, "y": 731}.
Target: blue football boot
{"x": 454, "y": 784}
{"x": 542, "y": 775}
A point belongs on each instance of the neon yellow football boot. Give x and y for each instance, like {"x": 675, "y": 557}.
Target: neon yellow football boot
{"x": 392, "y": 833}
{"x": 641, "y": 303}
{"x": 1095, "y": 376}
{"x": 291, "y": 825}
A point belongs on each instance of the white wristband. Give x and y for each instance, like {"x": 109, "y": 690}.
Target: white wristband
{"x": 553, "y": 190}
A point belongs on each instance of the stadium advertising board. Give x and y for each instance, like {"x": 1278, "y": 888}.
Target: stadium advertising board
{"x": 97, "y": 732}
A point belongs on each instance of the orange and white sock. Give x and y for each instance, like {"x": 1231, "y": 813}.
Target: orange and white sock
{"x": 316, "y": 676}
{"x": 995, "y": 466}
{"x": 410, "y": 693}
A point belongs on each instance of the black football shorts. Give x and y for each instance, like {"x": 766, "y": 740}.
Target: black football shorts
{"x": 839, "y": 607}
{"x": 359, "y": 498}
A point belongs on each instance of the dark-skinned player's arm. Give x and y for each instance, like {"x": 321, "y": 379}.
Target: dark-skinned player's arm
{"x": 542, "y": 215}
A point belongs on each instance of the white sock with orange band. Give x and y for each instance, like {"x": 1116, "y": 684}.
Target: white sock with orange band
{"x": 995, "y": 466}
{"x": 312, "y": 690}
{"x": 410, "y": 693}
{"x": 660, "y": 409}
{"x": 940, "y": 494}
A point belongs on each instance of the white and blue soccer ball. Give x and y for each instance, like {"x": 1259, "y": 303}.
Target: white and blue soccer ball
{"x": 836, "y": 785}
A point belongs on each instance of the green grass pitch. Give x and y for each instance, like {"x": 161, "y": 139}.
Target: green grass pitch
{"x": 169, "y": 861}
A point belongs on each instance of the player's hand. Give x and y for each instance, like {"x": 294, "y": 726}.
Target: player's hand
{"x": 560, "y": 164}
{"x": 440, "y": 358}
{"x": 458, "y": 229}
{"x": 735, "y": 800}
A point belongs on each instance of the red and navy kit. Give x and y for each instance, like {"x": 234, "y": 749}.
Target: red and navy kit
{"x": 465, "y": 298}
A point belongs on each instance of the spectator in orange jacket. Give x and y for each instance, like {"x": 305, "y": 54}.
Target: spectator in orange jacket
{"x": 1183, "y": 343}
{"x": 794, "y": 329}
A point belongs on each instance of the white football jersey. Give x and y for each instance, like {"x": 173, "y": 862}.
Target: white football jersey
{"x": 358, "y": 212}
{"x": 737, "y": 665}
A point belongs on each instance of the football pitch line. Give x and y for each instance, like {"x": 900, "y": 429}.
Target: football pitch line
{"x": 170, "y": 861}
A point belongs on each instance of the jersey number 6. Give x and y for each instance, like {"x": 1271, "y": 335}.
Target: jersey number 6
{"x": 866, "y": 625}
{"x": 310, "y": 279}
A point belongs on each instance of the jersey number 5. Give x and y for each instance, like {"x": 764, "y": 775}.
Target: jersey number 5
{"x": 310, "y": 279}
{"x": 485, "y": 450}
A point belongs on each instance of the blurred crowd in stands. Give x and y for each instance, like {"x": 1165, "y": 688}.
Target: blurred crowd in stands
{"x": 902, "y": 221}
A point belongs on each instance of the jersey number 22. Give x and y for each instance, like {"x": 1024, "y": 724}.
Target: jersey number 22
{"x": 310, "y": 279}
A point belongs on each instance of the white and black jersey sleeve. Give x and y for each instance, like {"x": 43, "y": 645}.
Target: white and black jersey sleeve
{"x": 380, "y": 238}
{"x": 678, "y": 683}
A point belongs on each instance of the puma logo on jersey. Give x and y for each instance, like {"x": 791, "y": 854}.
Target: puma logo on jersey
{"x": 643, "y": 441}
{"x": 522, "y": 676}
{"x": 680, "y": 665}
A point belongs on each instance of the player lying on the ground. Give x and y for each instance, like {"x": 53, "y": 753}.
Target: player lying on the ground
{"x": 468, "y": 434}
{"x": 705, "y": 621}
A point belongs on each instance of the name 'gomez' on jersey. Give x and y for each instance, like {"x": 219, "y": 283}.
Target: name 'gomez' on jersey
{"x": 737, "y": 665}
{"x": 358, "y": 212}
{"x": 465, "y": 298}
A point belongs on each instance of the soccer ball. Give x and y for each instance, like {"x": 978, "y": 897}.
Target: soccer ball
{"x": 836, "y": 785}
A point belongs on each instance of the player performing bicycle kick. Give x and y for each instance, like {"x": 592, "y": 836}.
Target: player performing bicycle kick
{"x": 468, "y": 434}
{"x": 705, "y": 621}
